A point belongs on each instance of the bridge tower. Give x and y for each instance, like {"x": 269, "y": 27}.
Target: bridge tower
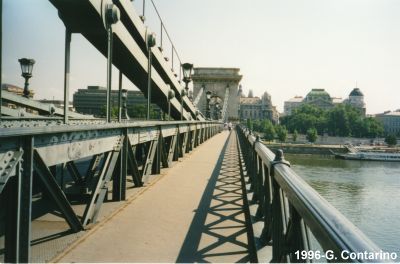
{"x": 223, "y": 83}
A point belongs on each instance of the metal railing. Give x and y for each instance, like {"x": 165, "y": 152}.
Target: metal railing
{"x": 116, "y": 156}
{"x": 163, "y": 31}
{"x": 294, "y": 214}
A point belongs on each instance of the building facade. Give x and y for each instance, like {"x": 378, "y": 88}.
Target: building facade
{"x": 220, "y": 82}
{"x": 390, "y": 121}
{"x": 93, "y": 100}
{"x": 291, "y": 104}
{"x": 320, "y": 98}
{"x": 258, "y": 108}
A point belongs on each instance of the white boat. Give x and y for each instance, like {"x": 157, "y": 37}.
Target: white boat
{"x": 366, "y": 155}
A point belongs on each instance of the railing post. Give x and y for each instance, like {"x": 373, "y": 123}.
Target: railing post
{"x": 266, "y": 235}
{"x": 279, "y": 248}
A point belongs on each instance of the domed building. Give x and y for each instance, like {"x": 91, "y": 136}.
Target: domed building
{"x": 319, "y": 97}
{"x": 356, "y": 99}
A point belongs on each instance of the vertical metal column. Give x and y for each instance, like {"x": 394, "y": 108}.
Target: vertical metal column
{"x": 151, "y": 42}
{"x": 1, "y": 45}
{"x": 11, "y": 219}
{"x": 109, "y": 70}
{"x": 19, "y": 208}
{"x": 149, "y": 85}
{"x": 119, "y": 96}
{"x": 119, "y": 177}
{"x": 25, "y": 200}
{"x": 67, "y": 72}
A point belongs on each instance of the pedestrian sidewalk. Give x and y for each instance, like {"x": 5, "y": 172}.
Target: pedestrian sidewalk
{"x": 194, "y": 213}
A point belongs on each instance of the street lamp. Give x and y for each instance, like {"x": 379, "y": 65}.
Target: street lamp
{"x": 187, "y": 74}
{"x": 26, "y": 68}
{"x": 208, "y": 98}
{"x": 171, "y": 94}
{"x": 124, "y": 97}
{"x": 217, "y": 109}
{"x": 183, "y": 93}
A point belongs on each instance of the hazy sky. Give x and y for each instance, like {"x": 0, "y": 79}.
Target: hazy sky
{"x": 284, "y": 47}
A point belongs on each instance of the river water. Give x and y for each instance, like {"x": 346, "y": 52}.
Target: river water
{"x": 366, "y": 192}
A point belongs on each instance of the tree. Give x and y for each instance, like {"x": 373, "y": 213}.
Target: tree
{"x": 281, "y": 133}
{"x": 294, "y": 135}
{"x": 268, "y": 130}
{"x": 250, "y": 124}
{"x": 113, "y": 112}
{"x": 312, "y": 135}
{"x": 391, "y": 140}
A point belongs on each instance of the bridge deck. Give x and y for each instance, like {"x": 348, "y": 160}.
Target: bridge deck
{"x": 194, "y": 213}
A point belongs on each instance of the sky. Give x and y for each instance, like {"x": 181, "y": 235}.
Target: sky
{"x": 284, "y": 47}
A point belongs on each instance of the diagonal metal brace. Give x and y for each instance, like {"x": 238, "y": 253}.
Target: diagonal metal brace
{"x": 56, "y": 193}
{"x": 7, "y": 166}
{"x": 99, "y": 193}
{"x": 74, "y": 172}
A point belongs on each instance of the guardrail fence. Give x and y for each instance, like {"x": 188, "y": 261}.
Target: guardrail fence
{"x": 301, "y": 225}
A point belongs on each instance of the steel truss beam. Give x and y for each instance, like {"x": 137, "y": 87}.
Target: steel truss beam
{"x": 112, "y": 149}
{"x": 56, "y": 193}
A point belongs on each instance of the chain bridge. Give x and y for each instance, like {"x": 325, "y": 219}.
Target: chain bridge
{"x": 80, "y": 189}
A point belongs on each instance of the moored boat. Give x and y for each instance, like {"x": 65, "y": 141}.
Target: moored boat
{"x": 365, "y": 155}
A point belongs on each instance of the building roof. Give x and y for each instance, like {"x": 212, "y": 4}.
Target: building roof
{"x": 337, "y": 100}
{"x": 390, "y": 113}
{"x": 356, "y": 92}
{"x": 318, "y": 92}
{"x": 296, "y": 99}
{"x": 249, "y": 100}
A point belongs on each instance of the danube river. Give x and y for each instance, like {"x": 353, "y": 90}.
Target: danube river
{"x": 366, "y": 192}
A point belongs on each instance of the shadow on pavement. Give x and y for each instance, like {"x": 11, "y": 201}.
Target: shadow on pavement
{"x": 218, "y": 231}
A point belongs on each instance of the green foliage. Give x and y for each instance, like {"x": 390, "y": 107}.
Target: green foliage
{"x": 139, "y": 111}
{"x": 294, "y": 135}
{"x": 114, "y": 111}
{"x": 250, "y": 124}
{"x": 268, "y": 129}
{"x": 281, "y": 133}
{"x": 342, "y": 120}
{"x": 391, "y": 140}
{"x": 312, "y": 135}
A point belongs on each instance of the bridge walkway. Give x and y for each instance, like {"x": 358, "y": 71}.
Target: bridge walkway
{"x": 194, "y": 213}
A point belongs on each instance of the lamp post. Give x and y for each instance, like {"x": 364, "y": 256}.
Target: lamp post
{"x": 26, "y": 68}
{"x": 208, "y": 98}
{"x": 171, "y": 94}
{"x": 124, "y": 97}
{"x": 217, "y": 109}
{"x": 183, "y": 93}
{"x": 187, "y": 75}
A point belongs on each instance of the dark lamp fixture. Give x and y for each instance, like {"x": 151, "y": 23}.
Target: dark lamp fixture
{"x": 124, "y": 93}
{"x": 187, "y": 71}
{"x": 183, "y": 92}
{"x": 26, "y": 67}
{"x": 208, "y": 95}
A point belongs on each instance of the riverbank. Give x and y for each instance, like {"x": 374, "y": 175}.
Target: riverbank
{"x": 320, "y": 149}
{"x": 315, "y": 149}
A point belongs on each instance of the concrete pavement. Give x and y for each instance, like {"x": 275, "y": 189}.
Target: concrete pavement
{"x": 194, "y": 213}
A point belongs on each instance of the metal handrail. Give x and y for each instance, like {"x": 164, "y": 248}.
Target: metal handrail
{"x": 290, "y": 207}
{"x": 163, "y": 28}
